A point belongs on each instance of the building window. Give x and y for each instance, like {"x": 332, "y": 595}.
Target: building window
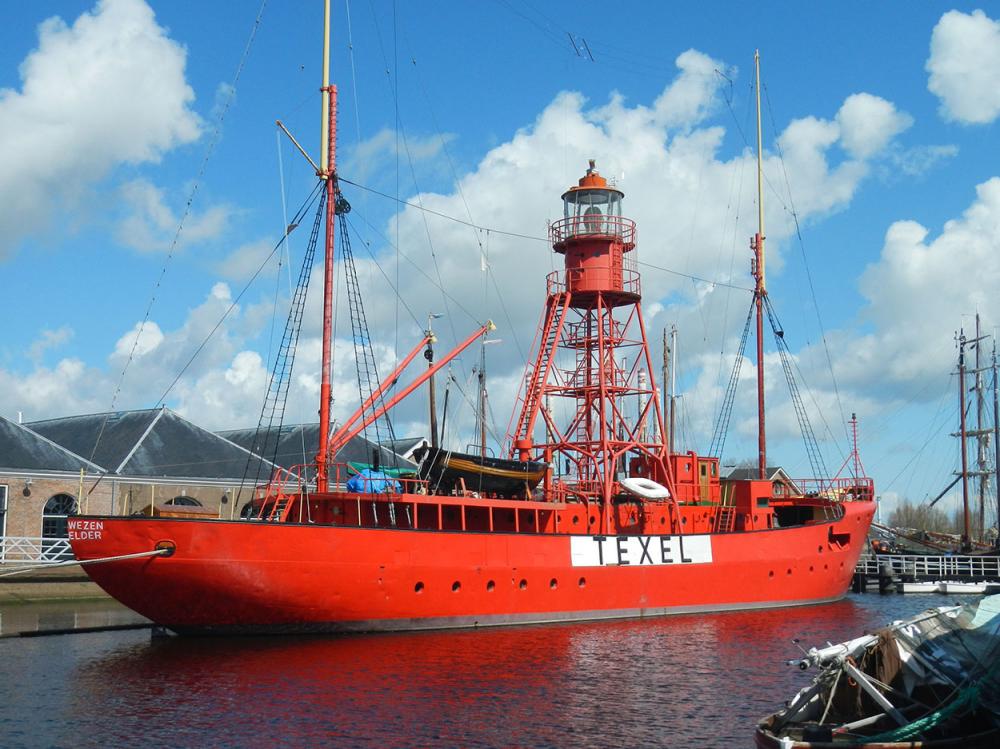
{"x": 55, "y": 528}
{"x": 183, "y": 502}
{"x": 3, "y": 510}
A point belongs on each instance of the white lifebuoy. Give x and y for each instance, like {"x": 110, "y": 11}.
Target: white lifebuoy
{"x": 645, "y": 488}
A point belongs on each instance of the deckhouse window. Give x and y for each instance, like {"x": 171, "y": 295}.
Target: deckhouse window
{"x": 182, "y": 501}
{"x": 3, "y": 510}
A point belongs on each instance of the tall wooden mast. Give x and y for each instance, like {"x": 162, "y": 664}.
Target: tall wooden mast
{"x": 327, "y": 171}
{"x": 760, "y": 289}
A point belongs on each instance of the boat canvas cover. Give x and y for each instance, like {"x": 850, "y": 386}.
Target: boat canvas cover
{"x": 937, "y": 667}
{"x": 368, "y": 481}
{"x": 953, "y": 647}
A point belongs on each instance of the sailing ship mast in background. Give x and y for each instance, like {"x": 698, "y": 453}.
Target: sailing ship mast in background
{"x": 983, "y": 433}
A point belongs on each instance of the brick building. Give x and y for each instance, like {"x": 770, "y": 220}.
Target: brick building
{"x": 125, "y": 462}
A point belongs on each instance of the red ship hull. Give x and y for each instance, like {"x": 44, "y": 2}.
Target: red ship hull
{"x": 227, "y": 576}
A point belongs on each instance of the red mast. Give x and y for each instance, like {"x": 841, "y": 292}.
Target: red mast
{"x": 593, "y": 317}
{"x": 328, "y": 165}
{"x": 760, "y": 291}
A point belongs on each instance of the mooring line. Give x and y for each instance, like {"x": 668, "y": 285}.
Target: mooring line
{"x": 100, "y": 560}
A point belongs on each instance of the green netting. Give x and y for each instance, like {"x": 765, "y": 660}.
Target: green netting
{"x": 396, "y": 473}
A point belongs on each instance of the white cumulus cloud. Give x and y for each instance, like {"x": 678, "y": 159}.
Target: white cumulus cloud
{"x": 152, "y": 225}
{"x": 109, "y": 89}
{"x": 964, "y": 67}
{"x": 868, "y": 123}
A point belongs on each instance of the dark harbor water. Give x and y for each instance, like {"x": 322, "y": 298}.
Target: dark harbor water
{"x": 686, "y": 681}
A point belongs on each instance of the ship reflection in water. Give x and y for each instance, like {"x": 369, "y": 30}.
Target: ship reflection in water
{"x": 686, "y": 681}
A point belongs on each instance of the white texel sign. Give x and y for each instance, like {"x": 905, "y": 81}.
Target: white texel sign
{"x": 620, "y": 551}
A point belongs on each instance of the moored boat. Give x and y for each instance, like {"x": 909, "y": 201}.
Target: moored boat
{"x": 600, "y": 518}
{"x": 447, "y": 471}
{"x": 930, "y": 681}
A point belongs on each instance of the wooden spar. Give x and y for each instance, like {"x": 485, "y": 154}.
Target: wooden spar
{"x": 325, "y": 90}
{"x": 345, "y": 436}
{"x": 387, "y": 383}
{"x": 760, "y": 290}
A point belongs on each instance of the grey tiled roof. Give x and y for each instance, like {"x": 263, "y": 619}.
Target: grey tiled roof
{"x": 153, "y": 444}
{"x": 22, "y": 449}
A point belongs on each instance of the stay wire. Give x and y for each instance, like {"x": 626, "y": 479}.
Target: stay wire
{"x": 465, "y": 203}
{"x": 305, "y": 206}
{"x": 400, "y": 130}
{"x": 805, "y": 265}
{"x": 531, "y": 237}
{"x": 209, "y": 151}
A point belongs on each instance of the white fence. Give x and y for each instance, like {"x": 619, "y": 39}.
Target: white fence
{"x": 14, "y": 549}
{"x": 938, "y": 567}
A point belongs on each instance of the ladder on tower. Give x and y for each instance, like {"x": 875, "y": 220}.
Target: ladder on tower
{"x": 538, "y": 374}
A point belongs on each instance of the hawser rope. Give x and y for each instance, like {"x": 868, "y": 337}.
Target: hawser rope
{"x": 167, "y": 551}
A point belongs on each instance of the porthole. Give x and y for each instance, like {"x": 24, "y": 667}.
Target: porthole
{"x": 575, "y": 520}
{"x": 456, "y": 586}
{"x": 553, "y": 583}
{"x": 789, "y": 571}
{"x": 771, "y": 573}
{"x": 583, "y": 582}
{"x": 418, "y": 588}
{"x": 523, "y": 585}
{"x": 490, "y": 586}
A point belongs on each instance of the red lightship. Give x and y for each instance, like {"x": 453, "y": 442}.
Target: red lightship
{"x": 606, "y": 523}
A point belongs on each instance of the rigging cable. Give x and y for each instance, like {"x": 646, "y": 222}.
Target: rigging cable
{"x": 209, "y": 150}
{"x": 726, "y": 412}
{"x": 519, "y": 235}
{"x": 305, "y": 206}
{"x": 288, "y": 267}
{"x": 276, "y": 398}
{"x": 805, "y": 427}
{"x": 465, "y": 202}
{"x": 805, "y": 265}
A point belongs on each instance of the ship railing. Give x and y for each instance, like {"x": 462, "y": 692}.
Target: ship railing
{"x": 556, "y": 282}
{"x": 596, "y": 226}
{"x": 838, "y": 489}
{"x": 935, "y": 566}
{"x": 341, "y": 473}
{"x": 34, "y": 549}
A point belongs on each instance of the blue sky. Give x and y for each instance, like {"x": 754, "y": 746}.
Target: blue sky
{"x": 879, "y": 129}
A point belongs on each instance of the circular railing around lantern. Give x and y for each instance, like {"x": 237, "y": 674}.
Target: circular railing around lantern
{"x": 593, "y": 226}
{"x": 555, "y": 283}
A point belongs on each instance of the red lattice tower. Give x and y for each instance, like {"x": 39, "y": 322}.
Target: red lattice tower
{"x": 591, "y": 349}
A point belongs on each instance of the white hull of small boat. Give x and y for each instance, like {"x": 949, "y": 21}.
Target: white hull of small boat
{"x": 904, "y": 587}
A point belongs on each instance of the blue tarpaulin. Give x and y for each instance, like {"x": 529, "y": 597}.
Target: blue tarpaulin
{"x": 369, "y": 481}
